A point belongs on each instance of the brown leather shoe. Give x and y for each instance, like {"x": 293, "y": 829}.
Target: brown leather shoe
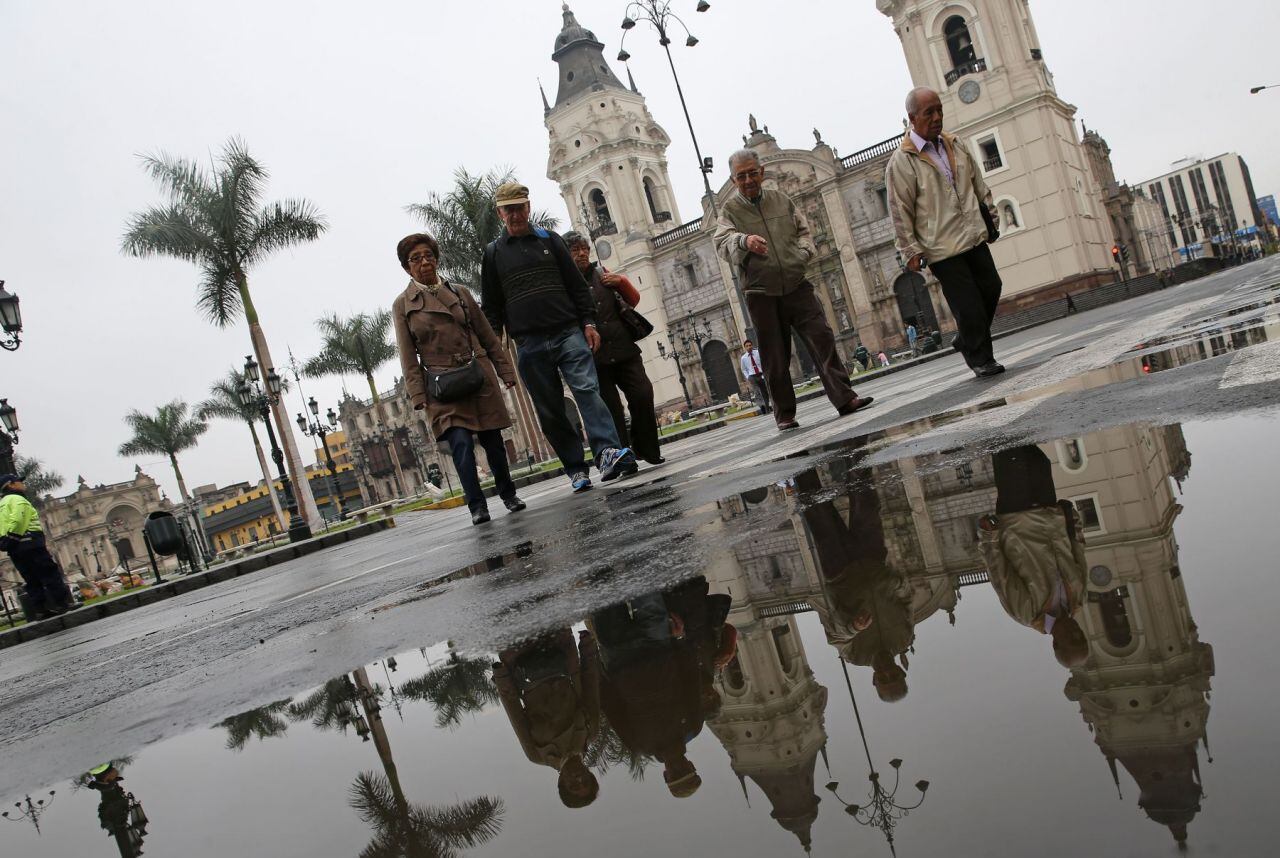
{"x": 784, "y": 425}
{"x": 857, "y": 404}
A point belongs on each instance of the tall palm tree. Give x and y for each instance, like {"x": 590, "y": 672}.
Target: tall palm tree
{"x": 358, "y": 345}
{"x": 461, "y": 685}
{"x": 465, "y": 219}
{"x": 329, "y": 707}
{"x": 224, "y": 403}
{"x": 217, "y": 221}
{"x": 167, "y": 432}
{"x": 38, "y": 480}
{"x": 262, "y": 721}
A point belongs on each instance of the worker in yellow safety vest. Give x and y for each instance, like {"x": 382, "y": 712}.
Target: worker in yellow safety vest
{"x": 23, "y": 538}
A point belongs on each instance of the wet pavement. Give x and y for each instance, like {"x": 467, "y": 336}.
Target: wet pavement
{"x": 743, "y": 660}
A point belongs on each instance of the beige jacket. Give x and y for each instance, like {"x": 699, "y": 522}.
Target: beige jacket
{"x": 774, "y": 218}
{"x": 931, "y": 216}
{"x": 1026, "y": 554}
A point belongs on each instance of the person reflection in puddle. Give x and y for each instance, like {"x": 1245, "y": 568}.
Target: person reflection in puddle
{"x": 867, "y": 609}
{"x": 660, "y": 652}
{"x": 550, "y": 690}
{"x": 1034, "y": 551}
{"x": 119, "y": 813}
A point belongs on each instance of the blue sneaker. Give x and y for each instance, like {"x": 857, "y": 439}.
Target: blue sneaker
{"x": 581, "y": 482}
{"x": 617, "y": 462}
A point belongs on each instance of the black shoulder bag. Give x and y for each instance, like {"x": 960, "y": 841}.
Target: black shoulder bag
{"x": 632, "y": 319}
{"x": 450, "y": 385}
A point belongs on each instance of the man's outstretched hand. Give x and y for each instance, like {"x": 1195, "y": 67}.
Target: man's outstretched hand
{"x": 757, "y": 245}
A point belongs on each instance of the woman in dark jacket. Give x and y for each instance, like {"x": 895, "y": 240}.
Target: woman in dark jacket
{"x": 439, "y": 327}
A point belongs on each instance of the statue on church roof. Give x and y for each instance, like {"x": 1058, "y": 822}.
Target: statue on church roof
{"x": 817, "y": 137}
{"x": 751, "y": 123}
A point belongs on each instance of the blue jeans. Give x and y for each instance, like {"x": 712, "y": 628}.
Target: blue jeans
{"x": 544, "y": 360}
{"x": 462, "y": 446}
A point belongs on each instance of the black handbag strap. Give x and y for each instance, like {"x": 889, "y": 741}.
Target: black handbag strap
{"x": 466, "y": 318}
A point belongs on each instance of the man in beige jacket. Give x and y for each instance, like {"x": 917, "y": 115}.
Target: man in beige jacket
{"x": 767, "y": 241}
{"x": 936, "y": 195}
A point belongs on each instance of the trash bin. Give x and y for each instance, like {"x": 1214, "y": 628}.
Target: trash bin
{"x": 164, "y": 533}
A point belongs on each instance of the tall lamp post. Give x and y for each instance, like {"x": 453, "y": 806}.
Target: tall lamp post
{"x": 658, "y": 15}
{"x": 252, "y": 395}
{"x": 317, "y": 429}
{"x": 8, "y": 436}
{"x": 686, "y": 349}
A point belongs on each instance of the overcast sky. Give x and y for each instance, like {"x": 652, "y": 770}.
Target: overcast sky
{"x": 366, "y": 108}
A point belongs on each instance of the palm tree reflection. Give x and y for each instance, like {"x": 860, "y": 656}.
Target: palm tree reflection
{"x": 459, "y": 686}
{"x": 263, "y": 722}
{"x": 414, "y": 831}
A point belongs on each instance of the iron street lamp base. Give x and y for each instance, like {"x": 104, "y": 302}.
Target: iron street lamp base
{"x": 298, "y": 528}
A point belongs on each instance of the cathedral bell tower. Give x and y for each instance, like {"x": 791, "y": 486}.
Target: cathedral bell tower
{"x": 609, "y": 157}
{"x": 983, "y": 57}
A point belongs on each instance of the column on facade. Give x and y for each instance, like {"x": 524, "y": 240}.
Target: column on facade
{"x": 857, "y": 296}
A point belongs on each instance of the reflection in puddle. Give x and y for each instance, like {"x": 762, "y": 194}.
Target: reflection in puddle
{"x": 1063, "y": 552}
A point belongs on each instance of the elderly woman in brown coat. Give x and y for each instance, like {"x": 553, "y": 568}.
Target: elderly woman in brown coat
{"x": 440, "y": 327}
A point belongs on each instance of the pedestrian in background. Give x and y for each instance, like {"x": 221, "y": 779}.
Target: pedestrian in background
{"x": 22, "y": 536}
{"x": 531, "y": 289}
{"x": 766, "y": 240}
{"x": 440, "y": 329}
{"x": 883, "y": 358}
{"x": 941, "y": 210}
{"x": 619, "y": 363}
{"x": 753, "y": 372}
{"x": 862, "y": 356}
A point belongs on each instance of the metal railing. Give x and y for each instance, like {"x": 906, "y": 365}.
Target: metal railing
{"x": 989, "y": 164}
{"x": 971, "y": 67}
{"x": 671, "y": 236}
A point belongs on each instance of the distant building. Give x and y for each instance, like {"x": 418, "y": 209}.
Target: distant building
{"x": 1139, "y": 226}
{"x": 1208, "y": 202}
{"x": 97, "y": 530}
{"x": 1270, "y": 214}
{"x": 242, "y": 513}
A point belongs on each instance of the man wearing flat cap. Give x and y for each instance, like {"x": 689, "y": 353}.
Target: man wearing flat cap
{"x": 531, "y": 288}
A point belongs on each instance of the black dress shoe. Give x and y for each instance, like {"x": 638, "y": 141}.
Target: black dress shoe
{"x": 480, "y": 516}
{"x": 656, "y": 460}
{"x": 514, "y": 504}
{"x": 784, "y": 425}
{"x": 857, "y": 404}
{"x": 988, "y": 370}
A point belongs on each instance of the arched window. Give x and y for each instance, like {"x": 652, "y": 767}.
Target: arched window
{"x": 600, "y": 207}
{"x": 648, "y": 195}
{"x": 1115, "y": 619}
{"x": 959, "y": 42}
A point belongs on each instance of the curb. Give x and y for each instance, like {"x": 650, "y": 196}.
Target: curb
{"x": 178, "y": 586}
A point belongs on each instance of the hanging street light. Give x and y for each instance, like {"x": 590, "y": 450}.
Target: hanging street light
{"x": 10, "y": 320}
{"x": 252, "y": 396}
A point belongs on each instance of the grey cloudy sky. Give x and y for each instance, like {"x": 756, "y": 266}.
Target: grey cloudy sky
{"x": 364, "y": 108}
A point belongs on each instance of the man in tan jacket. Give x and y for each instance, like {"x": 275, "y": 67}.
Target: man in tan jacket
{"x": 767, "y": 241}
{"x": 1034, "y": 552}
{"x": 936, "y": 195}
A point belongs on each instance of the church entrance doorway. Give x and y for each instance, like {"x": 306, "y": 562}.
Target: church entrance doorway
{"x": 722, "y": 381}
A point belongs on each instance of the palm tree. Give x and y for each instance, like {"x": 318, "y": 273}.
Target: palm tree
{"x": 167, "y": 432}
{"x": 224, "y": 402}
{"x": 39, "y": 482}
{"x": 459, "y": 686}
{"x": 358, "y": 345}
{"x": 404, "y": 830}
{"x": 263, "y": 722}
{"x": 218, "y": 222}
{"x": 329, "y": 707}
{"x": 465, "y": 220}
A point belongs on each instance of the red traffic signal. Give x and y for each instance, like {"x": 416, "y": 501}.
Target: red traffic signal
{"x": 1115, "y": 253}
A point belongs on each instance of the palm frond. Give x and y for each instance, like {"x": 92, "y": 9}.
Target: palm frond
{"x": 280, "y": 225}
{"x": 263, "y": 721}
{"x": 166, "y": 231}
{"x": 38, "y": 480}
{"x": 372, "y": 797}
{"x": 182, "y": 181}
{"x": 167, "y": 432}
{"x": 467, "y": 824}
{"x": 357, "y": 345}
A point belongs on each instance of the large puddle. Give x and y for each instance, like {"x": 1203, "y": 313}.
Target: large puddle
{"x": 847, "y": 661}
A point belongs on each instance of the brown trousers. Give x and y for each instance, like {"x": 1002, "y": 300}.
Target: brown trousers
{"x": 775, "y": 319}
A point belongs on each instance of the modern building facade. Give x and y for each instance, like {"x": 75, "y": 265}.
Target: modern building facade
{"x": 1210, "y": 205}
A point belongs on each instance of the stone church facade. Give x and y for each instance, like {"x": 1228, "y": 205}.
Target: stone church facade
{"x": 608, "y": 154}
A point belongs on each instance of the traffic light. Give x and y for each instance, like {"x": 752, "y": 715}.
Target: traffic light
{"x": 1115, "y": 253}
{"x": 1124, "y": 252}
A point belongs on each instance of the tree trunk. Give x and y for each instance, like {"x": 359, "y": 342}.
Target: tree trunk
{"x": 271, "y": 483}
{"x": 182, "y": 484}
{"x": 391, "y": 445}
{"x": 284, "y": 430}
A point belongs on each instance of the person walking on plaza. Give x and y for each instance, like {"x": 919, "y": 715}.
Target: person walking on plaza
{"x": 440, "y": 329}
{"x": 766, "y": 240}
{"x": 753, "y": 372}
{"x": 911, "y": 338}
{"x": 862, "y": 356}
{"x": 23, "y": 538}
{"x": 531, "y": 289}
{"x": 619, "y": 363}
{"x": 941, "y": 212}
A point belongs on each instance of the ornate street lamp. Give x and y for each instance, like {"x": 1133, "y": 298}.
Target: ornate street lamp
{"x": 317, "y": 429}
{"x": 677, "y": 355}
{"x": 10, "y": 320}
{"x": 882, "y": 810}
{"x": 658, "y": 14}
{"x": 8, "y": 436}
{"x": 1257, "y": 89}
{"x": 29, "y": 810}
{"x": 252, "y": 395}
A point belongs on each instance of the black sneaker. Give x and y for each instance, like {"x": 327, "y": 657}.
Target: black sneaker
{"x": 480, "y": 516}
{"x": 514, "y": 504}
